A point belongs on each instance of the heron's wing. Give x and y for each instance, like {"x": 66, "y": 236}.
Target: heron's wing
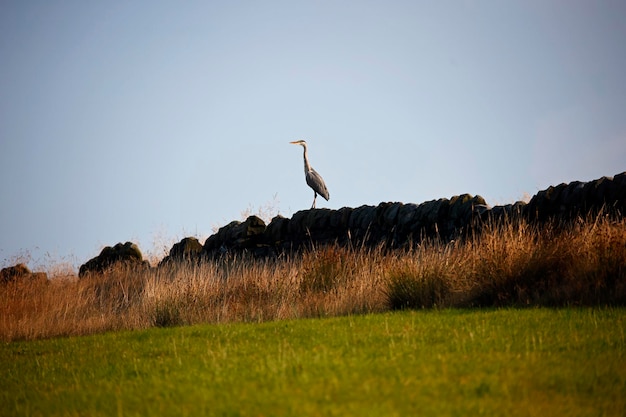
{"x": 316, "y": 182}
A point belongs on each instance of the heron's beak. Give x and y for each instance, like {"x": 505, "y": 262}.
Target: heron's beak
{"x": 294, "y": 142}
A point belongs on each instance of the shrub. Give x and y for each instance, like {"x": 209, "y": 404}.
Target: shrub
{"x": 325, "y": 269}
{"x": 167, "y": 313}
{"x": 416, "y": 289}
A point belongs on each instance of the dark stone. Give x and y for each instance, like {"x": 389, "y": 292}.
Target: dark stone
{"x": 361, "y": 218}
{"x": 360, "y": 223}
{"x": 276, "y": 231}
{"x": 126, "y": 253}
{"x": 386, "y": 215}
{"x": 188, "y": 249}
{"x": 339, "y": 218}
{"x": 21, "y": 272}
{"x": 236, "y": 237}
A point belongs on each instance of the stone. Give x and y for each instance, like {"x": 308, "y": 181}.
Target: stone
{"x": 235, "y": 236}
{"x": 387, "y": 214}
{"x": 362, "y": 218}
{"x": 21, "y": 272}
{"x": 276, "y": 231}
{"x": 188, "y": 249}
{"x": 126, "y": 253}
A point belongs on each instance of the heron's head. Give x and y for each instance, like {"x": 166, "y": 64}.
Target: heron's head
{"x": 299, "y": 142}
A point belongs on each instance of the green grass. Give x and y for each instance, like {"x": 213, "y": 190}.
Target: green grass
{"x": 440, "y": 362}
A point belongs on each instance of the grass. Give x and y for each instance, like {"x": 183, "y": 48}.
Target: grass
{"x": 511, "y": 263}
{"x": 435, "y": 362}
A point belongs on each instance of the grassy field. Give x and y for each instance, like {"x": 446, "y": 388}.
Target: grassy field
{"x": 569, "y": 362}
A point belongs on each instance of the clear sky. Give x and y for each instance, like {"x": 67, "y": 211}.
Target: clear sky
{"x": 154, "y": 120}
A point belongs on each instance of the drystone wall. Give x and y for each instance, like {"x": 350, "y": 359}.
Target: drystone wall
{"x": 393, "y": 224}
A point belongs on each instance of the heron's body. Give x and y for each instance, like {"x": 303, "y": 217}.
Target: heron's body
{"x": 313, "y": 179}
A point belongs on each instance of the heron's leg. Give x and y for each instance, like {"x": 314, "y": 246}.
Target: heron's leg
{"x": 314, "y": 198}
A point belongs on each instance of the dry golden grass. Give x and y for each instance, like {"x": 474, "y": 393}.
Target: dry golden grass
{"x": 511, "y": 263}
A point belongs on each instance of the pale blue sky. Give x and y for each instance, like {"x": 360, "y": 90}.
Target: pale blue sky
{"x": 156, "y": 120}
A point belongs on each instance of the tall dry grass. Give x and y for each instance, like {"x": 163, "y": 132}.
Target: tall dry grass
{"x": 510, "y": 263}
{"x": 515, "y": 263}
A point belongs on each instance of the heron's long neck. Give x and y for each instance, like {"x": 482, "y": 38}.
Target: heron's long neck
{"x": 307, "y": 167}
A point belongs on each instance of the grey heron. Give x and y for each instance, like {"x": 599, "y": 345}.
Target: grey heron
{"x": 314, "y": 179}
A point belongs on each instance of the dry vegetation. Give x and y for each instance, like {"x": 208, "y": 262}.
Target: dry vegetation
{"x": 509, "y": 264}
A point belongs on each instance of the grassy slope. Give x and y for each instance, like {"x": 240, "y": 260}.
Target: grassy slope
{"x": 449, "y": 362}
